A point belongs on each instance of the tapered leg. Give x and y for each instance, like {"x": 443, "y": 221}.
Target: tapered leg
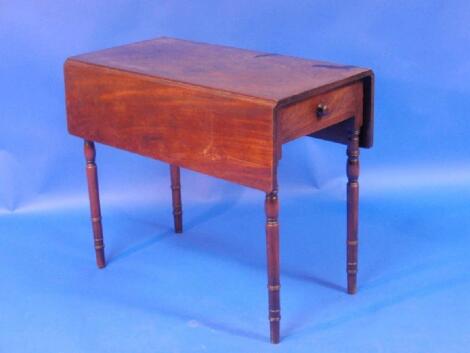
{"x": 176, "y": 197}
{"x": 93, "y": 192}
{"x": 272, "y": 247}
{"x": 352, "y": 209}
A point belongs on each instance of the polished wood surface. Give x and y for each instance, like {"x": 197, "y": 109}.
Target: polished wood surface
{"x": 219, "y": 135}
{"x": 301, "y": 119}
{"x": 269, "y": 76}
{"x": 222, "y": 111}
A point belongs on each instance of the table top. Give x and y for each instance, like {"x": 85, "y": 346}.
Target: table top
{"x": 218, "y": 110}
{"x": 266, "y": 76}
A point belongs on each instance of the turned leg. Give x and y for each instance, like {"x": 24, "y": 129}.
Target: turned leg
{"x": 93, "y": 192}
{"x": 272, "y": 247}
{"x": 352, "y": 208}
{"x": 176, "y": 197}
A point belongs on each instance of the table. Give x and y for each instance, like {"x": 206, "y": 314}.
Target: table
{"x": 221, "y": 111}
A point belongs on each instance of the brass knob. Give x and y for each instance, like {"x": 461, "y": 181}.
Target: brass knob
{"x": 322, "y": 110}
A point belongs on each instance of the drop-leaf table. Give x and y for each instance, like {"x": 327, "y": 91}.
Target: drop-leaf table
{"x": 221, "y": 111}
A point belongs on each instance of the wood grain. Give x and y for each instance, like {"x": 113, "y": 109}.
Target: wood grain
{"x": 269, "y": 77}
{"x": 221, "y": 135}
{"x": 300, "y": 119}
{"x": 221, "y": 111}
{"x": 339, "y": 132}
{"x": 258, "y": 74}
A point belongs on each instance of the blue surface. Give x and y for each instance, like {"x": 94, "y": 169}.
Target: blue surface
{"x": 205, "y": 291}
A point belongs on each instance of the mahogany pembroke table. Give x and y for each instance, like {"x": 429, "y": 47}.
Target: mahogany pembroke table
{"x": 221, "y": 111}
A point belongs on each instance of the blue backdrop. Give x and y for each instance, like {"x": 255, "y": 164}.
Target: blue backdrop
{"x": 206, "y": 291}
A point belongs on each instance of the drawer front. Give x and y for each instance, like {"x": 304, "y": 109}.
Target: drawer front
{"x": 323, "y": 110}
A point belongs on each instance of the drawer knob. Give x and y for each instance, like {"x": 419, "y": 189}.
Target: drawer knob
{"x": 322, "y": 110}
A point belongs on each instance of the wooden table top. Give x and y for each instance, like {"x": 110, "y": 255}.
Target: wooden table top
{"x": 266, "y": 76}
